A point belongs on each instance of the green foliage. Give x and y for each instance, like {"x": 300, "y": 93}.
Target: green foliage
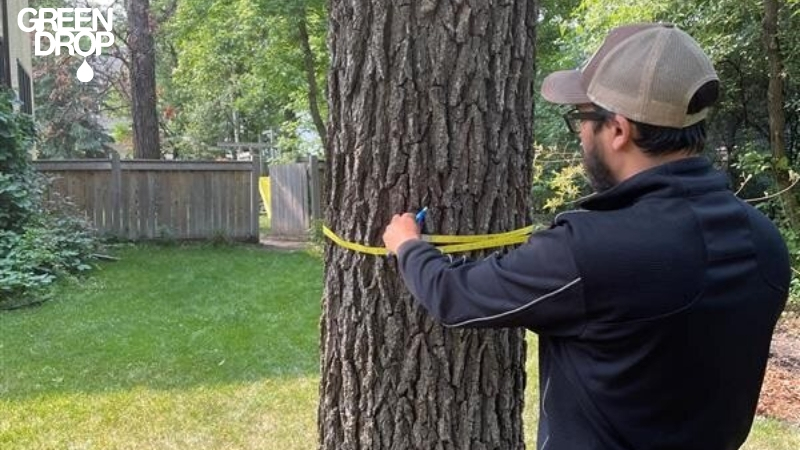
{"x": 38, "y": 241}
{"x": 316, "y": 238}
{"x": 17, "y": 190}
{"x": 752, "y": 168}
{"x": 555, "y": 50}
{"x": 238, "y": 72}
{"x": 226, "y": 70}
{"x": 122, "y": 132}
{"x": 50, "y": 246}
{"x": 792, "y": 238}
{"x": 19, "y": 268}
{"x": 558, "y": 181}
{"x": 67, "y": 110}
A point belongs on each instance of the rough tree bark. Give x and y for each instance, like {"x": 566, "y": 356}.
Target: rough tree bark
{"x": 429, "y": 100}
{"x": 777, "y": 116}
{"x": 146, "y": 143}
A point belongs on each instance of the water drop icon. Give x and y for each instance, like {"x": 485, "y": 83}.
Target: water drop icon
{"x": 85, "y": 72}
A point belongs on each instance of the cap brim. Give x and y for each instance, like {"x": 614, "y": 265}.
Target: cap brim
{"x": 565, "y": 87}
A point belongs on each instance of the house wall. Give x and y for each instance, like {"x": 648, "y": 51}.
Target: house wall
{"x": 20, "y": 44}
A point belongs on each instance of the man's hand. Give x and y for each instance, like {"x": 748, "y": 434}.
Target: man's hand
{"x": 402, "y": 228}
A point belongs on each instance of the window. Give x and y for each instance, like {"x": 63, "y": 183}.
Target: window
{"x": 4, "y": 81}
{"x": 25, "y": 91}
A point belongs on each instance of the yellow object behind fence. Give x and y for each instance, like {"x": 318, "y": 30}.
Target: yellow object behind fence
{"x": 445, "y": 243}
{"x": 263, "y": 189}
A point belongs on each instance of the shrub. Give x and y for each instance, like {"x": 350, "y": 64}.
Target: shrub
{"x": 792, "y": 238}
{"x": 17, "y": 191}
{"x": 39, "y": 240}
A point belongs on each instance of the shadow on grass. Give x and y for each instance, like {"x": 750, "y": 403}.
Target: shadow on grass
{"x": 168, "y": 317}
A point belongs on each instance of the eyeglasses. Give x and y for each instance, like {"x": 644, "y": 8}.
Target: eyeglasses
{"x": 574, "y": 117}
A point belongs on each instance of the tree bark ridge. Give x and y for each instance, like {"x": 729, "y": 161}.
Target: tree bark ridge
{"x": 428, "y": 101}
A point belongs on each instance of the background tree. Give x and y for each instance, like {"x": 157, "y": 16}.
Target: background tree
{"x": 777, "y": 117}
{"x": 226, "y": 70}
{"x": 310, "y": 64}
{"x": 249, "y": 71}
{"x": 430, "y": 101}
{"x": 146, "y": 141}
{"x": 68, "y": 112}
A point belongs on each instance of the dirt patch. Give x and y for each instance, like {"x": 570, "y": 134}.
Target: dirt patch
{"x": 780, "y": 394}
{"x": 270, "y": 243}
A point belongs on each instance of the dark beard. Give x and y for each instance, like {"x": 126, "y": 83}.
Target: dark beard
{"x": 597, "y": 171}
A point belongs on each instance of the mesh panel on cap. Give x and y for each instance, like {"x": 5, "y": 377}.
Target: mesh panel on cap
{"x": 674, "y": 82}
{"x": 651, "y": 76}
{"x": 621, "y": 79}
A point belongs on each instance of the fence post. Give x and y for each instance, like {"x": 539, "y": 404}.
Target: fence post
{"x": 314, "y": 185}
{"x": 255, "y": 174}
{"x": 116, "y": 194}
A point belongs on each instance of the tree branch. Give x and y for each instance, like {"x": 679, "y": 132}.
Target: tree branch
{"x": 777, "y": 194}
{"x": 311, "y": 78}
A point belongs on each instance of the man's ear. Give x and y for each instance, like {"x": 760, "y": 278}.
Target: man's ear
{"x": 621, "y": 132}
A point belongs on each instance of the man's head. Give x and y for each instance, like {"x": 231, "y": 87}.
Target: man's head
{"x": 652, "y": 82}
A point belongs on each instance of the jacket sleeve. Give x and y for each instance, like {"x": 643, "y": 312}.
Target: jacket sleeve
{"x": 536, "y": 286}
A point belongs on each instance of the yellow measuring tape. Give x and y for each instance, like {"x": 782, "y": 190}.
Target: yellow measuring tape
{"x": 445, "y": 243}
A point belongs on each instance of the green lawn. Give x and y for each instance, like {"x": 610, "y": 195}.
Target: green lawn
{"x": 199, "y": 347}
{"x": 185, "y": 347}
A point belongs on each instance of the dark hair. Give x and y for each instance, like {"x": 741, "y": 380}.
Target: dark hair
{"x": 657, "y": 140}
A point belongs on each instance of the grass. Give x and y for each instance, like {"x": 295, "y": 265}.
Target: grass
{"x": 172, "y": 347}
{"x": 187, "y": 347}
{"x": 530, "y": 415}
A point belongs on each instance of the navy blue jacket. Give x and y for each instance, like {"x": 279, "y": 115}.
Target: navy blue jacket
{"x": 655, "y": 306}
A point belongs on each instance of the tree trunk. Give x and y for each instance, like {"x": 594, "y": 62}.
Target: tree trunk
{"x": 777, "y": 117}
{"x": 429, "y": 102}
{"x": 311, "y": 78}
{"x": 143, "y": 81}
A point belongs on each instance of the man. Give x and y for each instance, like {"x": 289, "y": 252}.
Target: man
{"x": 655, "y": 304}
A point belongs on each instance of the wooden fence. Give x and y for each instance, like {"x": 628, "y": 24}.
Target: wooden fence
{"x": 154, "y": 199}
{"x": 295, "y": 198}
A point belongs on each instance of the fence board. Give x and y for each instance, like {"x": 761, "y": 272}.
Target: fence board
{"x": 255, "y": 203}
{"x": 125, "y": 210}
{"x": 116, "y": 195}
{"x": 155, "y": 199}
{"x": 181, "y": 197}
{"x": 225, "y": 223}
{"x": 164, "y": 218}
{"x": 242, "y": 203}
{"x": 289, "y": 185}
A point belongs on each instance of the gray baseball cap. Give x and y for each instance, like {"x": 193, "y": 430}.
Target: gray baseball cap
{"x": 646, "y": 72}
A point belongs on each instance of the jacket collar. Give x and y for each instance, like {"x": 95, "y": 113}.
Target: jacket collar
{"x": 685, "y": 177}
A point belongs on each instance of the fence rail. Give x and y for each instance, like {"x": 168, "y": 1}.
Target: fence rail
{"x": 151, "y": 199}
